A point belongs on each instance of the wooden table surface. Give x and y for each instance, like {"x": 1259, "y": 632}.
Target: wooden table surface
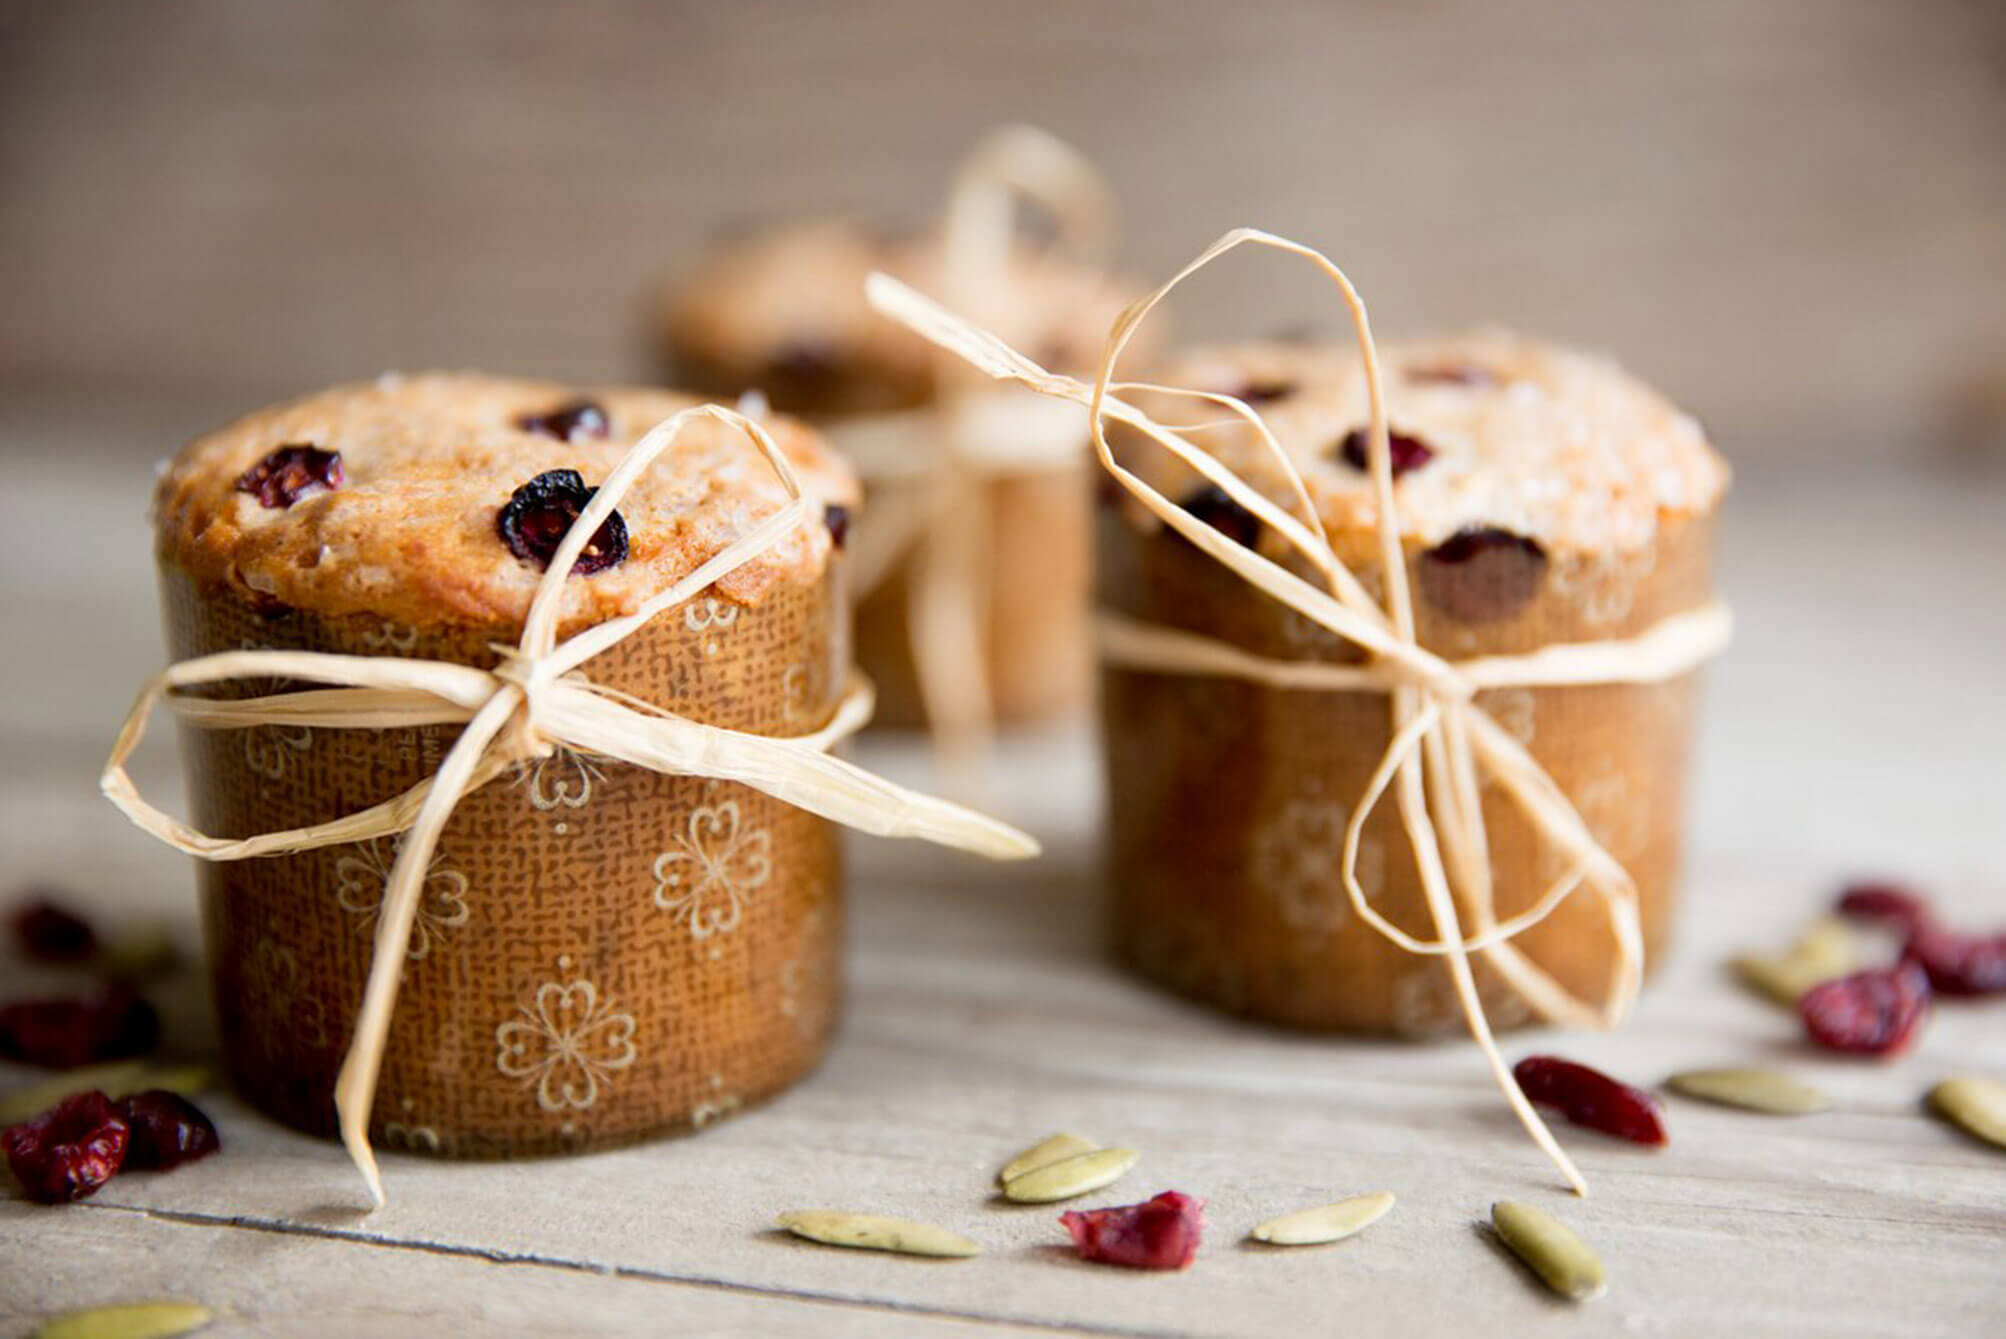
{"x": 1856, "y": 726}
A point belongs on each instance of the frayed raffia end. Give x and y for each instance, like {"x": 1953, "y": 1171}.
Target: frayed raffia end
{"x": 1443, "y": 746}
{"x": 536, "y": 699}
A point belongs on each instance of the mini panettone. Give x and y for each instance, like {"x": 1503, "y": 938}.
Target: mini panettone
{"x": 1398, "y": 648}
{"x": 627, "y": 916}
{"x": 979, "y": 523}
{"x": 1544, "y": 497}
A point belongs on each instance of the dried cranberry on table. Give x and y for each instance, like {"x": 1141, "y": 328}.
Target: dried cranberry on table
{"x": 1159, "y": 1233}
{"x": 570, "y": 422}
{"x": 1876, "y": 1012}
{"x": 1407, "y": 451}
{"x": 1482, "y": 573}
{"x": 1958, "y": 964}
{"x": 166, "y": 1131}
{"x": 49, "y": 932}
{"x": 68, "y": 1152}
{"x": 1590, "y": 1098}
{"x": 290, "y": 473}
{"x": 1886, "y": 902}
{"x": 540, "y": 513}
{"x": 110, "y": 1023}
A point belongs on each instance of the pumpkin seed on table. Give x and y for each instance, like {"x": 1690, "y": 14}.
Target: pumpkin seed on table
{"x": 1974, "y": 1105}
{"x": 1053, "y": 1148}
{"x": 133, "y": 1320}
{"x": 874, "y": 1232}
{"x": 1326, "y": 1223}
{"x": 1551, "y": 1249}
{"x": 1070, "y": 1177}
{"x": 1822, "y": 953}
{"x": 1763, "y": 1090}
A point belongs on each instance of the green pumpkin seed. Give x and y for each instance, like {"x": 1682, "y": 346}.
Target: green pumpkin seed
{"x": 1563, "y": 1261}
{"x": 1973, "y": 1104}
{"x": 1068, "y": 1177}
{"x": 1825, "y": 951}
{"x": 1762, "y": 1090}
{"x": 1055, "y": 1148}
{"x": 120, "y": 1078}
{"x": 872, "y": 1232}
{"x": 136, "y": 1320}
{"x": 1330, "y": 1222}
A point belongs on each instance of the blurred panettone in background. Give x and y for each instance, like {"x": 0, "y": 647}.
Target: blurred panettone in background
{"x": 971, "y": 557}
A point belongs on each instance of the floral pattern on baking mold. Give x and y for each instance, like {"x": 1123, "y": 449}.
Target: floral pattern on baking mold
{"x": 567, "y": 1043}
{"x": 1296, "y": 859}
{"x": 362, "y": 879}
{"x": 708, "y": 879}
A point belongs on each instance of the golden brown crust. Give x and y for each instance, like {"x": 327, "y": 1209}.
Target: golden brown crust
{"x": 429, "y": 461}
{"x": 1562, "y": 447}
{"x": 785, "y": 313}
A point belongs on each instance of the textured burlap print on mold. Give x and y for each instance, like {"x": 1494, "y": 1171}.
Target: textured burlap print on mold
{"x": 602, "y": 952}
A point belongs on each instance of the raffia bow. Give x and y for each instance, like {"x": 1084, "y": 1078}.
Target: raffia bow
{"x": 933, "y": 464}
{"x": 1443, "y": 746}
{"x": 537, "y": 699}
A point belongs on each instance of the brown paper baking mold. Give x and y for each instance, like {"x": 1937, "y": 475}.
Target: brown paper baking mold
{"x": 1228, "y": 800}
{"x": 602, "y": 952}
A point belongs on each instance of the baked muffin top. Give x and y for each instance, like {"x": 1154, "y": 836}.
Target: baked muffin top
{"x": 413, "y": 530}
{"x": 784, "y": 312}
{"x": 1491, "y": 431}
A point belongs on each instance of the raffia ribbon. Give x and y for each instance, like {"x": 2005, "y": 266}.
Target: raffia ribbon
{"x": 1443, "y": 746}
{"x": 937, "y": 462}
{"x": 536, "y": 700}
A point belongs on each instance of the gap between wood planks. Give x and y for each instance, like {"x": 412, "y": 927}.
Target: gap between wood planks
{"x": 279, "y": 1227}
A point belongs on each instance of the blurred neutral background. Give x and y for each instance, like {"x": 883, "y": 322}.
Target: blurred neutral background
{"x": 1788, "y": 212}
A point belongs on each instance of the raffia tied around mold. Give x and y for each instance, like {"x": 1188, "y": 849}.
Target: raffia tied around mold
{"x": 1443, "y": 746}
{"x": 946, "y": 454}
{"x": 537, "y": 699}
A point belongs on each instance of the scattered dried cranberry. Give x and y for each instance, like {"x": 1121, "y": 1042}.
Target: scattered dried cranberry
{"x": 1160, "y": 1233}
{"x": 290, "y": 473}
{"x": 1874, "y": 1012}
{"x": 1957, "y": 964}
{"x": 110, "y": 1023}
{"x": 1482, "y": 573}
{"x": 1883, "y": 902}
{"x": 837, "y": 517}
{"x": 1451, "y": 374}
{"x": 570, "y": 422}
{"x": 1408, "y": 451}
{"x": 166, "y": 1131}
{"x": 539, "y": 514}
{"x": 68, "y": 1152}
{"x": 1591, "y": 1098}
{"x": 49, "y": 932}
{"x": 1212, "y": 505}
